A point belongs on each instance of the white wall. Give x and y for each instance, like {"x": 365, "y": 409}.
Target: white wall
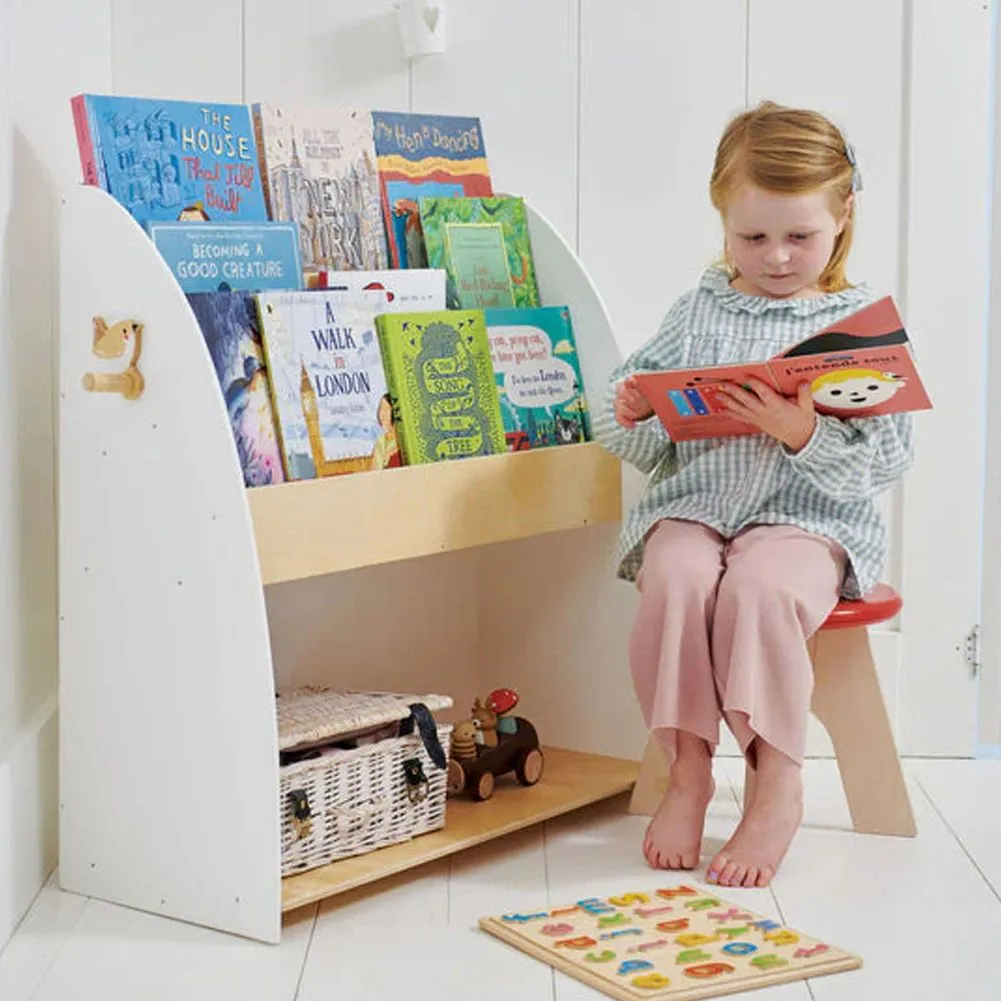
{"x": 604, "y": 113}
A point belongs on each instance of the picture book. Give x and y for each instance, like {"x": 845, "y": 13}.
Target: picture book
{"x": 441, "y": 383}
{"x": 252, "y": 256}
{"x": 677, "y": 943}
{"x": 421, "y": 155}
{"x": 171, "y": 160}
{"x": 484, "y": 246}
{"x": 319, "y": 170}
{"x": 330, "y": 390}
{"x": 404, "y": 291}
{"x": 539, "y": 381}
{"x": 861, "y": 366}
{"x": 232, "y": 333}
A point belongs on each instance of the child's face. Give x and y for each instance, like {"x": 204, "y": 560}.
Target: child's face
{"x": 781, "y": 243}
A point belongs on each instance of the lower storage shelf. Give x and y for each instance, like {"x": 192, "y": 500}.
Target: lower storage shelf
{"x": 571, "y": 779}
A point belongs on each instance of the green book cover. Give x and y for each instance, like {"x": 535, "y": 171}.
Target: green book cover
{"x": 541, "y": 388}
{"x": 441, "y": 383}
{"x": 484, "y": 247}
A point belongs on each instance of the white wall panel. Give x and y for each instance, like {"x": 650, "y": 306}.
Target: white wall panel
{"x": 514, "y": 64}
{"x": 658, "y": 84}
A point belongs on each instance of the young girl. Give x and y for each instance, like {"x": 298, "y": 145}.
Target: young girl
{"x": 741, "y": 547}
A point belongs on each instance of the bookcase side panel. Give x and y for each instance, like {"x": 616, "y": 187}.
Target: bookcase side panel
{"x": 168, "y": 745}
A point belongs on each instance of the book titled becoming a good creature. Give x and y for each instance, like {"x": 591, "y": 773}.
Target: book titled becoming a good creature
{"x": 861, "y": 366}
{"x": 441, "y": 383}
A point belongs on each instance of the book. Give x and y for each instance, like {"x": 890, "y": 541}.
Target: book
{"x": 252, "y": 256}
{"x": 405, "y": 291}
{"x": 421, "y": 155}
{"x": 537, "y": 369}
{"x": 330, "y": 391}
{"x": 861, "y": 366}
{"x": 230, "y": 326}
{"x": 485, "y": 248}
{"x": 319, "y": 170}
{"x": 441, "y": 384}
{"x": 171, "y": 160}
{"x": 328, "y": 378}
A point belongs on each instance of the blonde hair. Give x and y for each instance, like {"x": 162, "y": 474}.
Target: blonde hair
{"x": 788, "y": 151}
{"x": 848, "y": 374}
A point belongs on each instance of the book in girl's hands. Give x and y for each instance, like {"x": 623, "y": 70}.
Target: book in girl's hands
{"x": 861, "y": 366}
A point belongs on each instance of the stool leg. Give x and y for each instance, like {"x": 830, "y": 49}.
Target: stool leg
{"x": 651, "y": 783}
{"x": 848, "y": 702}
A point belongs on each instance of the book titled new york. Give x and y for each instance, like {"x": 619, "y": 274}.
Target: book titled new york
{"x": 320, "y": 172}
{"x": 421, "y": 155}
{"x": 485, "y": 248}
{"x": 232, "y": 333}
{"x": 171, "y": 160}
{"x": 861, "y": 366}
{"x": 441, "y": 382}
{"x": 252, "y": 256}
{"x": 541, "y": 389}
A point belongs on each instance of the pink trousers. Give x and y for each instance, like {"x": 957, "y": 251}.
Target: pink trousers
{"x": 722, "y": 630}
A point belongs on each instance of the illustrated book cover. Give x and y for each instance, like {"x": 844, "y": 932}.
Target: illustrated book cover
{"x": 421, "y": 155}
{"x": 861, "y": 366}
{"x": 204, "y": 257}
{"x": 538, "y": 375}
{"x": 171, "y": 160}
{"x": 319, "y": 170}
{"x": 484, "y": 246}
{"x": 328, "y": 381}
{"x": 231, "y": 329}
{"x": 441, "y": 383}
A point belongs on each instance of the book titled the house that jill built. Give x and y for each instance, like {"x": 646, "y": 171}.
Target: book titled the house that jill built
{"x": 171, "y": 160}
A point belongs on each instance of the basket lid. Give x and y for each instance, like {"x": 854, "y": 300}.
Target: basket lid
{"x": 310, "y": 715}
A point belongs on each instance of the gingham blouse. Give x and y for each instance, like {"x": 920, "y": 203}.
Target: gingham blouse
{"x": 828, "y": 488}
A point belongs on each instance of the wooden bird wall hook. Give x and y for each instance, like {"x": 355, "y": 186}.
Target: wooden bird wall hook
{"x": 111, "y": 342}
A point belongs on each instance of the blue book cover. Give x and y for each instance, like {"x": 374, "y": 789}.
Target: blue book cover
{"x": 171, "y": 160}
{"x": 204, "y": 257}
{"x": 420, "y": 155}
{"x": 232, "y": 331}
{"x": 538, "y": 375}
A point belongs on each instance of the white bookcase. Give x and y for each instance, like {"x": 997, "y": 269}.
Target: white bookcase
{"x": 168, "y": 743}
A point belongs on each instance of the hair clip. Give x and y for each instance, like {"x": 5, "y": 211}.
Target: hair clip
{"x": 856, "y": 173}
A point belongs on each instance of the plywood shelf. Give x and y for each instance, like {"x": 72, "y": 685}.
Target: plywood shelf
{"x": 572, "y": 779}
{"x": 325, "y": 526}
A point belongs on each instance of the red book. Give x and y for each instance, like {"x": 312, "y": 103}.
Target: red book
{"x": 861, "y": 366}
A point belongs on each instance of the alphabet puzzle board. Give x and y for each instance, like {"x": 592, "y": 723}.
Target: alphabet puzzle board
{"x": 680, "y": 943}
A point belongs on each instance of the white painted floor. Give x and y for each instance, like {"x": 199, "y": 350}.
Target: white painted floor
{"x": 924, "y": 914}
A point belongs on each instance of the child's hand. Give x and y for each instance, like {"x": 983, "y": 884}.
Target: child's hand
{"x": 630, "y": 404}
{"x": 791, "y": 422}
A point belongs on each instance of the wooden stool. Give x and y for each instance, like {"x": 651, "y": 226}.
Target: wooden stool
{"x": 849, "y": 704}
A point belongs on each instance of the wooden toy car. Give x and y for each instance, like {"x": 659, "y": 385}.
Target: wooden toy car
{"x": 518, "y": 752}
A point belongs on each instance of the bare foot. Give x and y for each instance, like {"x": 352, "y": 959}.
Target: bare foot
{"x": 753, "y": 855}
{"x": 674, "y": 837}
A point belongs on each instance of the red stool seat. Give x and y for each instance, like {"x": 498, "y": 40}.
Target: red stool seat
{"x": 879, "y": 605}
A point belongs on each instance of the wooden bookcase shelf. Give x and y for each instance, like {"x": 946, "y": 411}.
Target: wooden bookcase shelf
{"x": 169, "y": 775}
{"x": 326, "y": 526}
{"x": 572, "y": 779}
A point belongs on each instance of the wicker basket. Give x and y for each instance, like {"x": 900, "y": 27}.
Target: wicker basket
{"x": 348, "y": 802}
